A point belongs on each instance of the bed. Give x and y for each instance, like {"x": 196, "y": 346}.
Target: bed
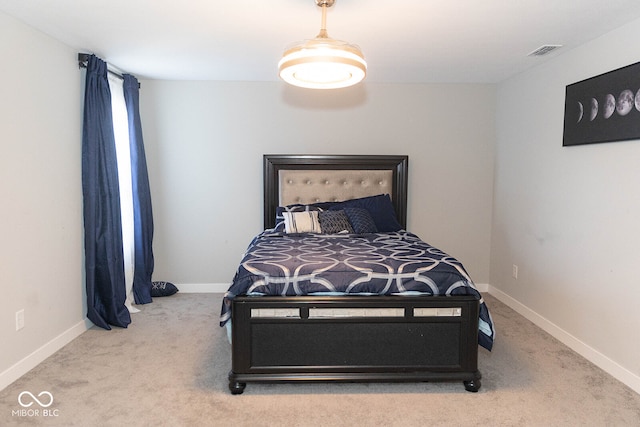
{"x": 316, "y": 298}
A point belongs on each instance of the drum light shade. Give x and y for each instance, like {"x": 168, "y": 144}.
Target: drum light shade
{"x": 323, "y": 63}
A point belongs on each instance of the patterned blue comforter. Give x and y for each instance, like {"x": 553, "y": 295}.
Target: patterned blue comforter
{"x": 396, "y": 263}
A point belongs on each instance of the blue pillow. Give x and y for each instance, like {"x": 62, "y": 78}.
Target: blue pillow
{"x": 380, "y": 208}
{"x": 361, "y": 220}
{"x": 162, "y": 289}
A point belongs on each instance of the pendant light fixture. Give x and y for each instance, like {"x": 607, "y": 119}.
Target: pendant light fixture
{"x": 323, "y": 63}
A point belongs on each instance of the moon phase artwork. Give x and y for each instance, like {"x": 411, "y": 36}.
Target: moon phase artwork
{"x": 604, "y": 108}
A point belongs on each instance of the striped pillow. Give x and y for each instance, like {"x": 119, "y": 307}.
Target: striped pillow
{"x": 301, "y": 222}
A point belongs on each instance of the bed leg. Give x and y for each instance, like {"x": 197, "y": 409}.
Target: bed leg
{"x": 236, "y": 387}
{"x": 472, "y": 385}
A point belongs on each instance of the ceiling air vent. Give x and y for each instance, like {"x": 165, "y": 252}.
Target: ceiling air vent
{"x": 543, "y": 50}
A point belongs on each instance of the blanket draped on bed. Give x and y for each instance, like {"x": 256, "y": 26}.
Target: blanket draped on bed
{"x": 395, "y": 263}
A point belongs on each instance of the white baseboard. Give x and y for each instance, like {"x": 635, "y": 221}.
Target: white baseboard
{"x": 206, "y": 288}
{"x": 600, "y": 360}
{"x": 34, "y": 359}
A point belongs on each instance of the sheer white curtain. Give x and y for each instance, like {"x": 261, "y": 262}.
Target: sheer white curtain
{"x": 121, "y": 133}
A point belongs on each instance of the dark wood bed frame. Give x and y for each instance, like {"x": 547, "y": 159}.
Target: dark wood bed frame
{"x": 379, "y": 338}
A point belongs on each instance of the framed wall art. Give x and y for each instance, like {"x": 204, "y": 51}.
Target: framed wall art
{"x": 603, "y": 108}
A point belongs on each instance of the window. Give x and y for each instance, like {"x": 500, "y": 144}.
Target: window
{"x": 123, "y": 153}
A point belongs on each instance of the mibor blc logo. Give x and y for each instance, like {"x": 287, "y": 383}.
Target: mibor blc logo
{"x": 35, "y": 406}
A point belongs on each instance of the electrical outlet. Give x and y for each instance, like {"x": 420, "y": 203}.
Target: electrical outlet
{"x": 19, "y": 319}
{"x": 514, "y": 271}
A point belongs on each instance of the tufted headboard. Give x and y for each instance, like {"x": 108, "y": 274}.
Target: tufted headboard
{"x": 306, "y": 179}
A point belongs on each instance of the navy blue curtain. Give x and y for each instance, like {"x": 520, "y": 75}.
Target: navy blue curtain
{"x": 142, "y": 213}
{"x": 104, "y": 259}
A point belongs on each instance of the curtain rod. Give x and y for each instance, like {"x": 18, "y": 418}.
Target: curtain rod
{"x": 83, "y": 60}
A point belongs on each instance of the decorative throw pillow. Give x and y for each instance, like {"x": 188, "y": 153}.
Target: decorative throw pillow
{"x": 162, "y": 289}
{"x": 333, "y": 222}
{"x": 380, "y": 207}
{"x": 361, "y": 220}
{"x": 301, "y": 222}
{"x": 280, "y": 210}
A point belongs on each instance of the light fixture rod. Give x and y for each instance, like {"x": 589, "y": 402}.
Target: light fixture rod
{"x": 324, "y": 4}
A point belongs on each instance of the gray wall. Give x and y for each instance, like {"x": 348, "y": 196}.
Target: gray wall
{"x": 40, "y": 192}
{"x": 205, "y": 142}
{"x": 568, "y": 216}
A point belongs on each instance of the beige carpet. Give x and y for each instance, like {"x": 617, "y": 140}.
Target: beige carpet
{"x": 169, "y": 368}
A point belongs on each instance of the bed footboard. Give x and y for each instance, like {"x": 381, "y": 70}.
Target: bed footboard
{"x": 354, "y": 339}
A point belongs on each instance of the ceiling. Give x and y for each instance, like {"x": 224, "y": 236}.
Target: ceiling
{"x": 404, "y": 41}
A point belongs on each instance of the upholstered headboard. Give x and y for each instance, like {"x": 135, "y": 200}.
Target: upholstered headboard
{"x": 305, "y": 179}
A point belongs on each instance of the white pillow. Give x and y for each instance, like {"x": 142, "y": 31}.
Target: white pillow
{"x": 301, "y": 222}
